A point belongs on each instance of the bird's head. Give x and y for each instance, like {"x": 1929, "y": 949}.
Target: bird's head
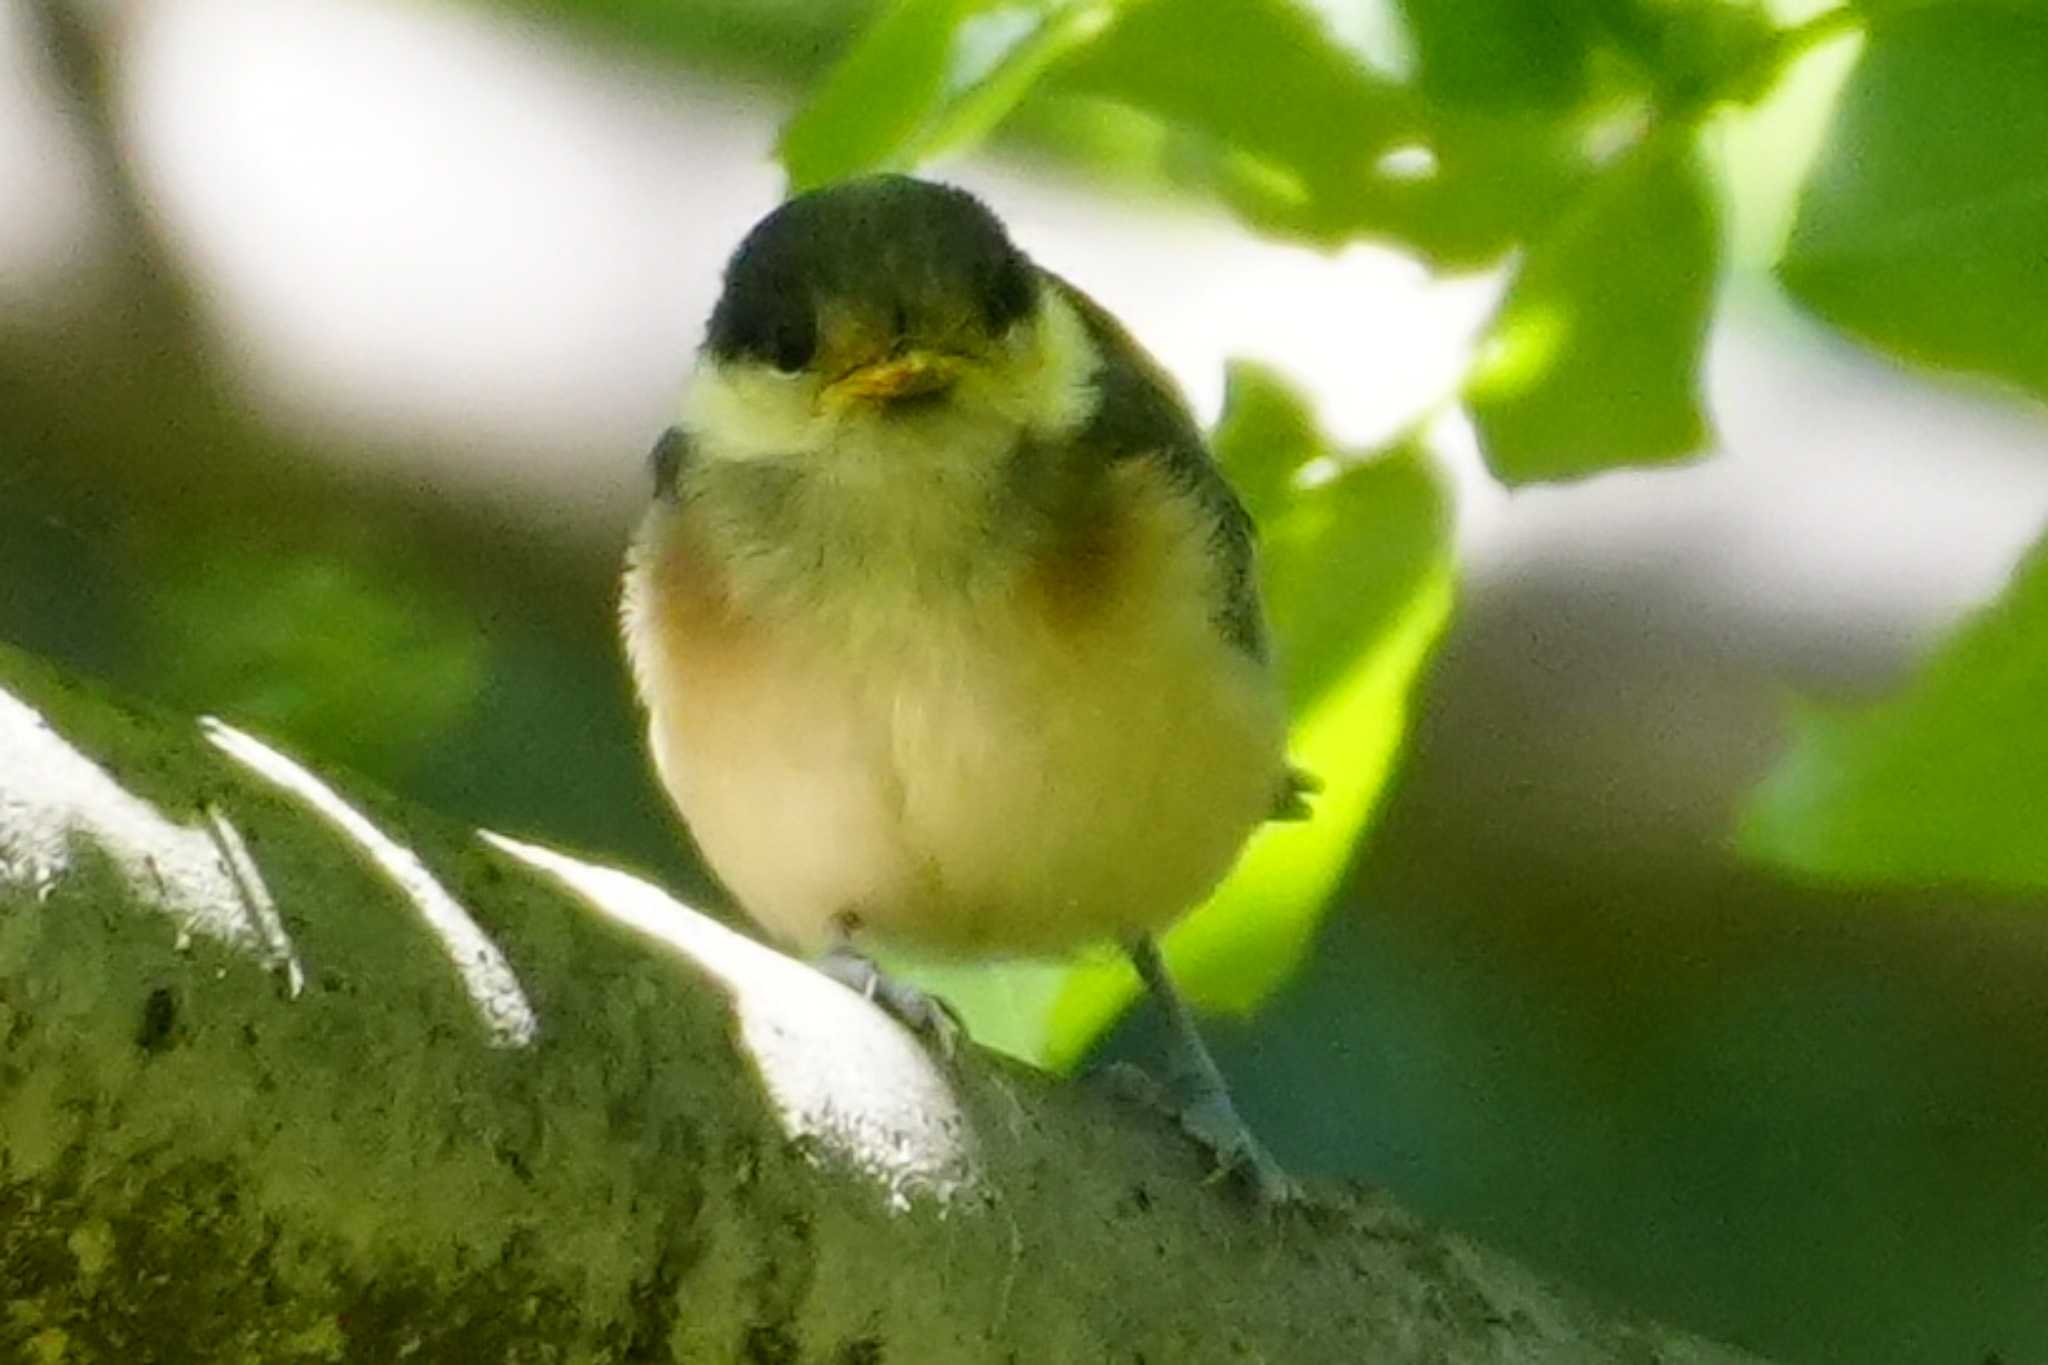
{"x": 885, "y": 312}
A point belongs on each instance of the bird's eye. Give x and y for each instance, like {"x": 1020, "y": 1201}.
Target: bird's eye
{"x": 793, "y": 343}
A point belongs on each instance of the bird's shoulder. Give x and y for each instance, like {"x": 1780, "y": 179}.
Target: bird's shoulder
{"x": 1141, "y": 414}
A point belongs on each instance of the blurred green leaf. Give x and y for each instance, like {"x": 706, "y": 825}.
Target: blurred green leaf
{"x": 1266, "y": 435}
{"x": 1593, "y": 359}
{"x": 1501, "y": 54}
{"x": 999, "y": 68}
{"x": 1456, "y": 169}
{"x": 778, "y": 40}
{"x": 346, "y": 652}
{"x": 1922, "y": 231}
{"x": 1696, "y": 53}
{"x": 930, "y": 75}
{"x": 1266, "y": 105}
{"x": 1947, "y": 781}
{"x": 878, "y": 95}
{"x": 1290, "y": 123}
{"x": 1263, "y": 76}
{"x": 1358, "y": 573}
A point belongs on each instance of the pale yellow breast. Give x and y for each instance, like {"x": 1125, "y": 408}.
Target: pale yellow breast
{"x": 1069, "y": 753}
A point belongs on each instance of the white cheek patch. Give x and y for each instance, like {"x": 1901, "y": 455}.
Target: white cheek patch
{"x": 742, "y": 412}
{"x": 1052, "y": 392}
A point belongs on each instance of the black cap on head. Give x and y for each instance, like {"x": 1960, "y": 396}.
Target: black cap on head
{"x": 908, "y": 252}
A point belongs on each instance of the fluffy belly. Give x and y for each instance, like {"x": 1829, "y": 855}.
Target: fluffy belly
{"x": 1072, "y": 753}
{"x": 975, "y": 807}
{"x": 985, "y": 790}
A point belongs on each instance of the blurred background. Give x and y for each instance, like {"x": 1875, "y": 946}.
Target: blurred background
{"x": 333, "y": 334}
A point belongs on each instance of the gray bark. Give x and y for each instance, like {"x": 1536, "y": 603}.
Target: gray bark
{"x": 284, "y": 1079}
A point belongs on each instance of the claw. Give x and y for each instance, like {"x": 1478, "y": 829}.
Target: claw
{"x": 926, "y": 1015}
{"x": 1212, "y": 1121}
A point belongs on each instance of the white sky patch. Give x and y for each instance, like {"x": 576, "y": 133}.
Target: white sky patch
{"x": 487, "y": 977}
{"x": 837, "y": 1069}
{"x": 51, "y": 795}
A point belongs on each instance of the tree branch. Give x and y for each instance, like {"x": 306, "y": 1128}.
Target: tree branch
{"x": 529, "y": 1109}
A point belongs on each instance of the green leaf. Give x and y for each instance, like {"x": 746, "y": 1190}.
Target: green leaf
{"x": 1501, "y": 54}
{"x": 1267, "y": 105}
{"x": 306, "y": 640}
{"x": 1593, "y": 359}
{"x": 1922, "y": 230}
{"x": 878, "y": 95}
{"x": 1945, "y": 782}
{"x": 1285, "y": 123}
{"x": 1188, "y": 87}
{"x": 927, "y": 77}
{"x": 990, "y": 83}
{"x": 776, "y": 41}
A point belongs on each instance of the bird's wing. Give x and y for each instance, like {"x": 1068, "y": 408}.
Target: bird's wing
{"x": 1142, "y": 415}
{"x": 665, "y": 462}
{"x": 1296, "y": 788}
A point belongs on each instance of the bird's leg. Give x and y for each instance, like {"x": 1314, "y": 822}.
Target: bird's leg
{"x": 923, "y": 1014}
{"x": 1199, "y": 1090}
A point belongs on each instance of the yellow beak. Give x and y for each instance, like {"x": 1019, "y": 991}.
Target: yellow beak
{"x": 910, "y": 375}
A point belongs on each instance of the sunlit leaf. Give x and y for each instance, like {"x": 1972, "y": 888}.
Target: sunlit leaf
{"x": 1593, "y": 360}
{"x": 1275, "y": 107}
{"x": 930, "y": 76}
{"x": 1945, "y": 782}
{"x": 1501, "y": 54}
{"x": 877, "y": 97}
{"x": 1266, "y": 435}
{"x": 994, "y": 75}
{"x": 1294, "y": 122}
{"x": 777, "y": 40}
{"x": 1922, "y": 229}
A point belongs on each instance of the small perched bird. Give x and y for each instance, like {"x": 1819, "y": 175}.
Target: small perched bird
{"x": 945, "y": 622}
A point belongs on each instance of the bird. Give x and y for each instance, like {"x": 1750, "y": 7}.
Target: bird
{"x": 945, "y": 623}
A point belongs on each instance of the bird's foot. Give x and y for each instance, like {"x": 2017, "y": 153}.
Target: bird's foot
{"x": 926, "y": 1015}
{"x": 1208, "y": 1117}
{"x": 1201, "y": 1099}
{"x": 1212, "y": 1121}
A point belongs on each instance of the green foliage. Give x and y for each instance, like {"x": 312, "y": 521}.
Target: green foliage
{"x": 1356, "y": 565}
{"x": 1925, "y": 231}
{"x": 1271, "y": 155}
{"x": 339, "y": 650}
{"x": 1593, "y": 360}
{"x": 1255, "y": 101}
{"x": 784, "y": 40}
{"x": 1513, "y": 55}
{"x": 952, "y": 69}
{"x": 1923, "y": 228}
{"x": 1945, "y": 782}
{"x": 842, "y": 127}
